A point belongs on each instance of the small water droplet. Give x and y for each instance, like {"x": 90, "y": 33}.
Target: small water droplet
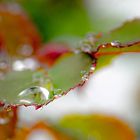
{"x": 103, "y": 46}
{"x": 85, "y": 77}
{"x": 57, "y": 96}
{"x": 57, "y": 91}
{"x": 92, "y": 69}
{"x": 83, "y": 72}
{"x": 33, "y": 95}
{"x": 86, "y": 48}
{"x": 115, "y": 43}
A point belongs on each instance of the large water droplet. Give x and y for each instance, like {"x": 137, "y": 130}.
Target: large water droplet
{"x": 33, "y": 95}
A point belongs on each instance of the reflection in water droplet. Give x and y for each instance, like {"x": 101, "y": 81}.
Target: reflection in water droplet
{"x": 33, "y": 95}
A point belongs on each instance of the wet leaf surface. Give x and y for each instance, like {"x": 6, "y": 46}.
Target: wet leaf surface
{"x": 25, "y": 81}
{"x": 39, "y": 87}
{"x": 107, "y": 52}
{"x": 67, "y": 72}
{"x": 128, "y": 32}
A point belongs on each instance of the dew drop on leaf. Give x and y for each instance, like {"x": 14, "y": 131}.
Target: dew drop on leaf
{"x": 115, "y": 43}
{"x": 33, "y": 95}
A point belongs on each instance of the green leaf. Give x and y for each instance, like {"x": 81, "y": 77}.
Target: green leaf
{"x": 107, "y": 52}
{"x": 38, "y": 88}
{"x": 13, "y": 83}
{"x": 67, "y": 72}
{"x": 128, "y": 32}
{"x": 118, "y": 42}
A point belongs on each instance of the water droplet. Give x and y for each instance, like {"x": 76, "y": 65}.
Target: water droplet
{"x": 115, "y": 43}
{"x": 85, "y": 77}
{"x": 57, "y": 91}
{"x": 57, "y": 96}
{"x": 92, "y": 69}
{"x": 33, "y": 95}
{"x": 103, "y": 46}
{"x": 83, "y": 72}
{"x": 86, "y": 48}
